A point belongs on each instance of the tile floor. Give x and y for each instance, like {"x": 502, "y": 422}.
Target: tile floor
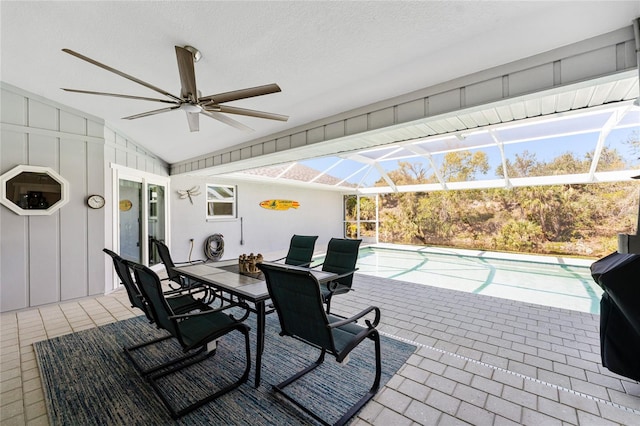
{"x": 481, "y": 360}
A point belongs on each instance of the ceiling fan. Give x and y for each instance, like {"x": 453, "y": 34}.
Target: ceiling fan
{"x": 190, "y": 100}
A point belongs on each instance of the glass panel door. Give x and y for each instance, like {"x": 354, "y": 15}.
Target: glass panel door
{"x": 157, "y": 219}
{"x": 140, "y": 212}
{"x": 130, "y": 213}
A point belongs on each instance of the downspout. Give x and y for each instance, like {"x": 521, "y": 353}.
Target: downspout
{"x": 631, "y": 243}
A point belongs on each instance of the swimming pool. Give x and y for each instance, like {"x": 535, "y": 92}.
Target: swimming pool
{"x": 548, "y": 281}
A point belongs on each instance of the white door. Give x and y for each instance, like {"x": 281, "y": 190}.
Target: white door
{"x": 140, "y": 212}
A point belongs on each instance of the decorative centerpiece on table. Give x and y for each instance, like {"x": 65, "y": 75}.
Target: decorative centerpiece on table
{"x": 247, "y": 264}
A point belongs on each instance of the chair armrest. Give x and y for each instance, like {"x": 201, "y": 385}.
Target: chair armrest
{"x": 335, "y": 285}
{"x": 201, "y": 313}
{"x": 304, "y": 265}
{"x": 190, "y": 262}
{"x": 184, "y": 291}
{"x": 358, "y": 316}
{"x": 177, "y": 287}
{"x": 301, "y": 265}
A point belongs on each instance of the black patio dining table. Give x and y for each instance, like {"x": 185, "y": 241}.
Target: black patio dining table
{"x": 224, "y": 276}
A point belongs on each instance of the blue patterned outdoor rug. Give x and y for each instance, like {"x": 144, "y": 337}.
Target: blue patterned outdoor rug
{"x": 88, "y": 380}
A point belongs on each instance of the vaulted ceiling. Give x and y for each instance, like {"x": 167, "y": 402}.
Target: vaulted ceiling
{"x": 328, "y": 57}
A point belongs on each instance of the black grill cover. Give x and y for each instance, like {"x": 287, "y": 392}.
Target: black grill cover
{"x": 619, "y": 276}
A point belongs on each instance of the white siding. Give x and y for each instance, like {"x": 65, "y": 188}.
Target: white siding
{"x": 47, "y": 259}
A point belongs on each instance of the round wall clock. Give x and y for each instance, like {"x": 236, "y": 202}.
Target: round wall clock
{"x": 95, "y": 201}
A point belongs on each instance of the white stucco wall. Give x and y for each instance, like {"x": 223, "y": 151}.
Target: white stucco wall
{"x": 264, "y": 231}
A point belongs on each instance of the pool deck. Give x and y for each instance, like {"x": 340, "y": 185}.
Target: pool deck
{"x": 480, "y": 360}
{"x": 490, "y": 361}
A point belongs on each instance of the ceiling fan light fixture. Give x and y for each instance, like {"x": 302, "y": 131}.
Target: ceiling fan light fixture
{"x": 190, "y": 107}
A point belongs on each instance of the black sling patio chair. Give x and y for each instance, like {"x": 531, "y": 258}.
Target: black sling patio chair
{"x": 169, "y": 264}
{"x": 124, "y": 274}
{"x": 194, "y": 332}
{"x": 175, "y": 278}
{"x": 300, "y": 250}
{"x": 298, "y": 302}
{"x": 179, "y": 303}
{"x": 341, "y": 259}
{"x": 178, "y": 300}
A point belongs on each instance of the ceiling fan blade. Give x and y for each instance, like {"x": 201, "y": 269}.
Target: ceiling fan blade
{"x": 248, "y": 112}
{"x": 226, "y": 120}
{"x": 117, "y": 95}
{"x": 187, "y": 73}
{"x": 194, "y": 121}
{"x": 241, "y": 94}
{"x": 120, "y": 73}
{"x": 148, "y": 113}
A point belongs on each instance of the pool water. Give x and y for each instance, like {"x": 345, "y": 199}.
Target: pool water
{"x": 557, "y": 284}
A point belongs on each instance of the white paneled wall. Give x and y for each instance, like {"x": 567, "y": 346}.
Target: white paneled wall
{"x": 121, "y": 150}
{"x": 47, "y": 259}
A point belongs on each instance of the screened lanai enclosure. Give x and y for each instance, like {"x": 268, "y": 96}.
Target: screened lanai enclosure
{"x": 599, "y": 145}
{"x": 520, "y": 174}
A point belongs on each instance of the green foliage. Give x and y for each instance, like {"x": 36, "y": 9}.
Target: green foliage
{"x": 350, "y": 207}
{"x": 634, "y": 146}
{"x": 610, "y": 159}
{"x": 408, "y": 174}
{"x": 519, "y": 235}
{"x": 367, "y": 208}
{"x": 557, "y": 219}
{"x": 460, "y": 166}
{"x": 351, "y": 230}
{"x": 522, "y": 166}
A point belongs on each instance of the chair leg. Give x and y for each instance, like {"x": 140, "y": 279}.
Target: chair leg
{"x": 212, "y": 396}
{"x": 328, "y": 301}
{"x": 375, "y": 336}
{"x": 151, "y": 342}
{"x": 144, "y": 372}
{"x": 299, "y": 374}
{"x": 279, "y": 388}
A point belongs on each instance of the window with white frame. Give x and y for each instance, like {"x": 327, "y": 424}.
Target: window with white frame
{"x": 221, "y": 201}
